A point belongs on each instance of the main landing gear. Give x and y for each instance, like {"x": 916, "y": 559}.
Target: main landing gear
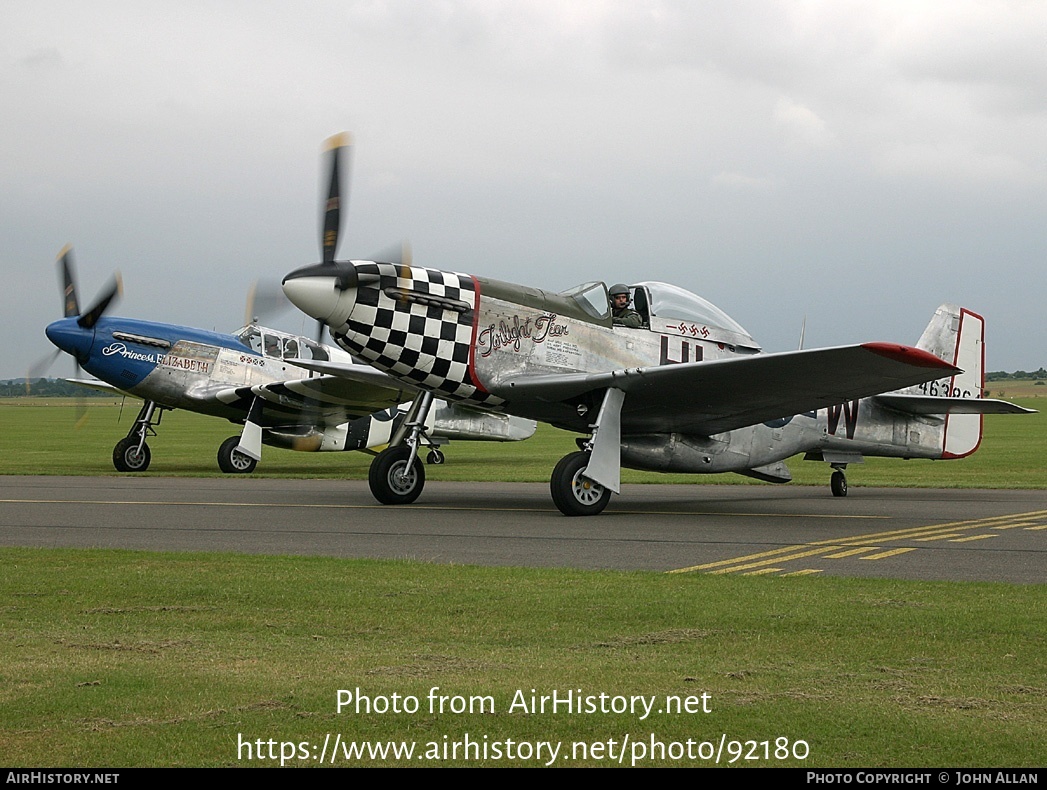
{"x": 838, "y": 482}
{"x": 131, "y": 453}
{"x": 232, "y": 461}
{"x": 573, "y": 493}
{"x": 582, "y": 483}
{"x": 397, "y": 476}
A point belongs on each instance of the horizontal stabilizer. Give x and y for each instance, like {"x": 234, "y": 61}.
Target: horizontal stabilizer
{"x": 932, "y": 405}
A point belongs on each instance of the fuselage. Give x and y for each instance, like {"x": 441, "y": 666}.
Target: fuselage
{"x": 180, "y": 367}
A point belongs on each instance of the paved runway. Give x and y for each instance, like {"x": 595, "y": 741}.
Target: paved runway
{"x": 973, "y": 535}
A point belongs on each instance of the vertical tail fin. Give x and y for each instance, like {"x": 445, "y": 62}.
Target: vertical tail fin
{"x": 957, "y": 335}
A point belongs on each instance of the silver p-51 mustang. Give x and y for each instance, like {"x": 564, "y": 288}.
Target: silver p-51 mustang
{"x": 685, "y": 390}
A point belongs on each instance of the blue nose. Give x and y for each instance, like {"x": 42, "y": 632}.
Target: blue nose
{"x": 71, "y": 338}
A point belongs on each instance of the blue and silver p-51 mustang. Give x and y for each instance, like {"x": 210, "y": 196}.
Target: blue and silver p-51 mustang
{"x": 250, "y": 378}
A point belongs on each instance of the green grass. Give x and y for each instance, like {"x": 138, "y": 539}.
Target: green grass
{"x": 41, "y": 437}
{"x": 111, "y": 658}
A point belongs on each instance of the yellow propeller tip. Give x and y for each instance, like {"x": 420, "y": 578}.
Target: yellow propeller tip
{"x": 340, "y": 140}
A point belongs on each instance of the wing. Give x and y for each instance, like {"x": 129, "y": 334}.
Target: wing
{"x": 706, "y": 398}
{"x": 101, "y": 386}
{"x": 321, "y": 400}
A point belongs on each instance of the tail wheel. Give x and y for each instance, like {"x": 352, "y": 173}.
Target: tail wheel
{"x": 232, "y": 461}
{"x": 573, "y": 493}
{"x": 435, "y": 457}
{"x": 396, "y": 476}
{"x": 838, "y": 484}
{"x": 128, "y": 458}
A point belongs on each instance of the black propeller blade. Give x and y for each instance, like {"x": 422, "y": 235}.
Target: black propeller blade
{"x": 70, "y": 300}
{"x": 338, "y": 148}
{"x": 97, "y": 310}
{"x": 71, "y": 304}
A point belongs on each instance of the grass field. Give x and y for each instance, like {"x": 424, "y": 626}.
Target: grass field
{"x": 40, "y": 436}
{"x": 113, "y": 658}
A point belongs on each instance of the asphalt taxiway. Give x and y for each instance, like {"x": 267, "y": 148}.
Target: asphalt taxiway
{"x": 955, "y": 534}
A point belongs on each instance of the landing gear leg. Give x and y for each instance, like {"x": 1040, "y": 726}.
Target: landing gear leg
{"x": 131, "y": 453}
{"x": 397, "y": 476}
{"x": 838, "y": 482}
{"x": 581, "y": 484}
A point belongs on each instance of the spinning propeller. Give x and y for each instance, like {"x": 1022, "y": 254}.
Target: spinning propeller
{"x": 74, "y": 340}
{"x": 338, "y": 150}
{"x": 88, "y": 319}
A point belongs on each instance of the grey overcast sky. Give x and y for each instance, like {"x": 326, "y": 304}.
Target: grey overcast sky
{"x": 853, "y": 162}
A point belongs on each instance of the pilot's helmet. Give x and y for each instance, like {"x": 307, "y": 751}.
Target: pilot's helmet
{"x": 619, "y": 288}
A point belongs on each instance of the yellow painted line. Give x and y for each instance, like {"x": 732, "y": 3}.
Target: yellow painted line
{"x": 771, "y": 553}
{"x": 972, "y": 537}
{"x": 798, "y": 555}
{"x": 1035, "y": 529}
{"x": 925, "y": 534}
{"x": 1015, "y": 525}
{"x": 761, "y": 572}
{"x": 885, "y": 554}
{"x": 1036, "y": 514}
{"x": 804, "y": 572}
{"x": 850, "y": 552}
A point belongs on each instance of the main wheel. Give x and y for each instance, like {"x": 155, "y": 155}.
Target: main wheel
{"x": 435, "y": 457}
{"x": 393, "y": 480}
{"x": 573, "y": 493}
{"x": 232, "y": 461}
{"x": 128, "y": 458}
{"x": 838, "y": 483}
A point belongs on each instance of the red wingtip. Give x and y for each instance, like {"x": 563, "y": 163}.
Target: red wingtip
{"x": 909, "y": 355}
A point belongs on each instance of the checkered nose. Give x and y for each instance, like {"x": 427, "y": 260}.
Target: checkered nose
{"x": 320, "y": 296}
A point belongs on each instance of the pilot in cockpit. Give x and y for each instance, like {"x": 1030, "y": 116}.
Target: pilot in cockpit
{"x": 621, "y": 313}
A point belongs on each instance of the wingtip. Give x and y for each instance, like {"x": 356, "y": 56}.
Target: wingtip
{"x": 910, "y": 356}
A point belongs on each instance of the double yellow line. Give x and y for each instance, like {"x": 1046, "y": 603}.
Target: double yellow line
{"x": 956, "y": 532}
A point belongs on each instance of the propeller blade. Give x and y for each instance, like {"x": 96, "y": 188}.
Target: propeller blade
{"x": 90, "y": 318}
{"x": 265, "y": 299}
{"x": 71, "y": 305}
{"x": 399, "y": 254}
{"x": 40, "y": 367}
{"x": 332, "y": 218}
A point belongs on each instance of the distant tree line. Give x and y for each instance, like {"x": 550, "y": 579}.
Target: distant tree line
{"x": 48, "y": 388}
{"x": 1018, "y": 374}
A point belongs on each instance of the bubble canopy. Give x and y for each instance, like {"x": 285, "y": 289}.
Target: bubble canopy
{"x": 669, "y": 302}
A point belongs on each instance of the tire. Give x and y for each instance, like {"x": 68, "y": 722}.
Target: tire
{"x": 838, "y": 484}
{"x": 127, "y": 458}
{"x": 435, "y": 457}
{"x": 391, "y": 481}
{"x": 232, "y": 461}
{"x": 574, "y": 494}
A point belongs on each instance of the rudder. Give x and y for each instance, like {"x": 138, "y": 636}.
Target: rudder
{"x": 957, "y": 335}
